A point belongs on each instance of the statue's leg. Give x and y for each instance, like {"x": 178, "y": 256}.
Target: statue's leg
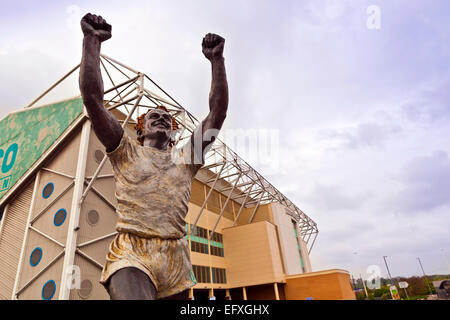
{"x": 131, "y": 284}
{"x": 183, "y": 295}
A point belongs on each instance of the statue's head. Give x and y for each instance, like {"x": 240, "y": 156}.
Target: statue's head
{"x": 156, "y": 124}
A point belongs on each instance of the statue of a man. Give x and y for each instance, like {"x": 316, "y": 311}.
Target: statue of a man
{"x": 149, "y": 258}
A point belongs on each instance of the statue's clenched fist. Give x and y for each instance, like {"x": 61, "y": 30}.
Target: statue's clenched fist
{"x": 212, "y": 46}
{"x": 92, "y": 24}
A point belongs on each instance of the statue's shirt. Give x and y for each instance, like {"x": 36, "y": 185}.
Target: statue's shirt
{"x": 153, "y": 188}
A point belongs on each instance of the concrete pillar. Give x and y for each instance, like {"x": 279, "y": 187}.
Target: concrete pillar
{"x": 191, "y": 294}
{"x": 211, "y": 293}
{"x": 227, "y": 294}
{"x": 74, "y": 217}
{"x": 275, "y": 287}
{"x": 244, "y": 293}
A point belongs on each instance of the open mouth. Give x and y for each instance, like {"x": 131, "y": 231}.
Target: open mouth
{"x": 160, "y": 124}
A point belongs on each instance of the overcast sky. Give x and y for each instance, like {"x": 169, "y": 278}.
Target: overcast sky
{"x": 362, "y": 115}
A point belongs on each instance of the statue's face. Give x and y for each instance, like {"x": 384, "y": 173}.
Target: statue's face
{"x": 157, "y": 125}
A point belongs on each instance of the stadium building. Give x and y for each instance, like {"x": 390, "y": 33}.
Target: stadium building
{"x": 57, "y": 206}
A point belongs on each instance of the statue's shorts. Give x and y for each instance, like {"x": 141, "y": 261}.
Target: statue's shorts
{"x": 166, "y": 261}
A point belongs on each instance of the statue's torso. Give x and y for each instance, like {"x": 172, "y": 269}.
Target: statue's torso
{"x": 152, "y": 190}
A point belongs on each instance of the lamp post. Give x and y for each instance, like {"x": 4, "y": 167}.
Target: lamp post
{"x": 353, "y": 282}
{"x": 364, "y": 284}
{"x": 426, "y": 278}
{"x": 389, "y": 273}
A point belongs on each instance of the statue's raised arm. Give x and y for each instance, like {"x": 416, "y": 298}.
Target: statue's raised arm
{"x": 212, "y": 47}
{"x": 105, "y": 125}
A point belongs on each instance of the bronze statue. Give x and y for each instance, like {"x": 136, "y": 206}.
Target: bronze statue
{"x": 150, "y": 258}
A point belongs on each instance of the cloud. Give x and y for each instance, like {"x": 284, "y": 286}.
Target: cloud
{"x": 364, "y": 135}
{"x": 331, "y": 198}
{"x": 426, "y": 183}
{"x": 26, "y": 73}
{"x": 433, "y": 106}
{"x": 358, "y": 241}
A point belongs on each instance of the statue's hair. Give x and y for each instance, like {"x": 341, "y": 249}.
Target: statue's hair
{"x": 139, "y": 126}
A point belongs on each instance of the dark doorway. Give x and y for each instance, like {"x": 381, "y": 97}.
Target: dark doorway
{"x": 201, "y": 294}
{"x": 219, "y": 294}
{"x": 237, "y": 294}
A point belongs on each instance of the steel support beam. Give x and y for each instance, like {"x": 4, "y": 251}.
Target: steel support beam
{"x": 256, "y": 208}
{"x": 242, "y": 205}
{"x": 312, "y": 244}
{"x": 224, "y": 206}
{"x": 206, "y": 200}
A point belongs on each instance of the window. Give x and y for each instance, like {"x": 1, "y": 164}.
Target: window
{"x": 199, "y": 240}
{"x": 217, "y": 237}
{"x": 60, "y": 217}
{"x": 217, "y": 244}
{"x": 201, "y": 274}
{"x": 99, "y": 155}
{"x": 217, "y": 251}
{"x": 199, "y": 247}
{"x": 219, "y": 275}
{"x": 48, "y": 290}
{"x": 93, "y": 217}
{"x": 85, "y": 289}
{"x": 48, "y": 190}
{"x": 200, "y": 232}
{"x": 35, "y": 256}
